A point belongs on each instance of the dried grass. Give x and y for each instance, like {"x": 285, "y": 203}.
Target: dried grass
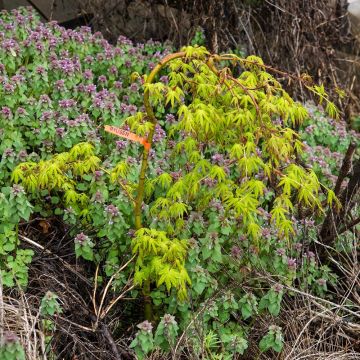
{"x": 17, "y": 317}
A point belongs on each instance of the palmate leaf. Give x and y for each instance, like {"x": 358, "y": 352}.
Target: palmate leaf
{"x": 156, "y": 91}
{"x": 278, "y": 215}
{"x": 83, "y": 149}
{"x": 21, "y": 171}
{"x": 156, "y": 265}
{"x": 164, "y": 180}
{"x": 253, "y": 230}
{"x": 250, "y": 165}
{"x": 257, "y": 187}
{"x": 177, "y": 191}
{"x": 141, "y": 276}
{"x": 174, "y": 94}
{"x": 149, "y": 188}
{"x": 195, "y": 52}
{"x": 176, "y": 251}
{"x": 146, "y": 244}
{"x": 161, "y": 259}
{"x": 178, "y": 209}
{"x": 286, "y": 227}
{"x": 71, "y": 197}
{"x": 332, "y": 198}
{"x": 160, "y": 203}
{"x": 287, "y": 183}
{"x": 218, "y": 173}
{"x": 31, "y": 183}
{"x": 170, "y": 277}
{"x": 119, "y": 171}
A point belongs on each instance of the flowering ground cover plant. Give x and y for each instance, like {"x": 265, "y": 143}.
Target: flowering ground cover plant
{"x": 197, "y": 224}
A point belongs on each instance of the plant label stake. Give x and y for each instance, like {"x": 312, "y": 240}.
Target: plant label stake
{"x": 128, "y": 135}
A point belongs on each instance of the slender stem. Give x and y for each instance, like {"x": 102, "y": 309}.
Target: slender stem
{"x": 144, "y": 164}
{"x": 150, "y": 113}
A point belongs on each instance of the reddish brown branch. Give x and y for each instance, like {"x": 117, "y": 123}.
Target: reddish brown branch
{"x": 345, "y": 168}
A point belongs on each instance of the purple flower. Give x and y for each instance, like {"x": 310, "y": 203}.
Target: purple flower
{"x": 53, "y": 41}
{"x": 298, "y": 246}
{"x": 109, "y": 106}
{"x": 281, "y": 252}
{"x": 100, "y": 57}
{"x": 44, "y": 99}
{"x": 321, "y": 282}
{"x": 88, "y": 74}
{"x": 131, "y": 233}
{"x": 175, "y": 175}
{"x": 83, "y": 118}
{"x": 102, "y": 79}
{"x": 134, "y": 87}
{"x": 9, "y": 88}
{"x": 217, "y": 159}
{"x": 291, "y": 263}
{"x": 90, "y": 89}
{"x": 17, "y": 189}
{"x": 120, "y": 144}
{"x": 98, "y": 174}
{"x": 164, "y": 79}
{"x": 67, "y": 103}
{"x": 48, "y": 144}
{"x": 81, "y": 238}
{"x": 113, "y": 70}
{"x": 10, "y": 45}
{"x": 60, "y": 85}
{"x": 40, "y": 70}
{"x": 66, "y": 66}
{"x": 6, "y": 112}
{"x": 266, "y": 232}
{"x": 145, "y": 326}
{"x": 22, "y": 155}
{"x": 72, "y": 123}
{"x": 122, "y": 40}
{"x": 216, "y": 205}
{"x": 170, "y": 118}
{"x": 118, "y": 85}
{"x": 46, "y": 115}
{"x": 18, "y": 79}
{"x": 99, "y": 198}
{"x": 278, "y": 288}
{"x": 169, "y": 320}
{"x": 10, "y": 338}
{"x": 118, "y": 51}
{"x": 8, "y": 153}
{"x": 159, "y": 133}
{"x": 112, "y": 210}
{"x": 209, "y": 182}
{"x": 310, "y": 255}
{"x": 98, "y": 103}
{"x": 235, "y": 252}
{"x": 132, "y": 109}
{"x": 60, "y": 132}
{"x": 39, "y": 47}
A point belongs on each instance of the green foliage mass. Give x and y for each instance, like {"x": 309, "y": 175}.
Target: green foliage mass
{"x": 201, "y": 219}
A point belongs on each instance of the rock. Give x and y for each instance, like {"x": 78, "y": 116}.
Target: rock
{"x": 354, "y": 14}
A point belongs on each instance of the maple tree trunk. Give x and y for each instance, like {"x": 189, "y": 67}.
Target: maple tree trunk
{"x": 336, "y": 222}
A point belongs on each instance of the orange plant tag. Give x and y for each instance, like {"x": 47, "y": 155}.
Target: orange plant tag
{"x": 128, "y": 135}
